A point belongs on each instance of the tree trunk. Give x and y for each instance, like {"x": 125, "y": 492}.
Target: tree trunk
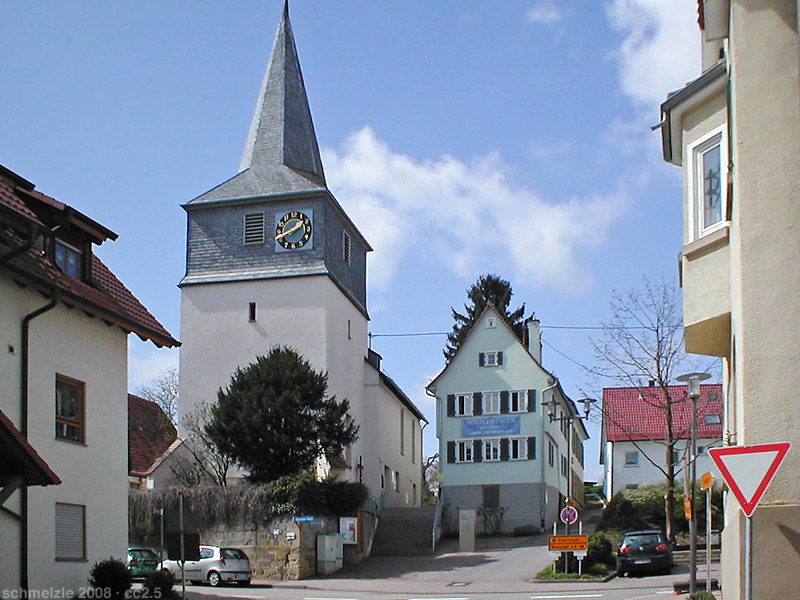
{"x": 669, "y": 501}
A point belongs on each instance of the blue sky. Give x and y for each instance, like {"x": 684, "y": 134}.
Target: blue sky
{"x": 463, "y": 137}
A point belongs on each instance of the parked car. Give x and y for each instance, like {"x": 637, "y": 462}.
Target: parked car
{"x": 141, "y": 562}
{"x": 644, "y": 551}
{"x": 216, "y": 566}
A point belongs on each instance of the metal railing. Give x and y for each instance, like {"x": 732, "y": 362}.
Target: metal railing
{"x": 436, "y": 534}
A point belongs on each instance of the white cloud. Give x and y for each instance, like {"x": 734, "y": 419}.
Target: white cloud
{"x": 146, "y": 362}
{"x": 661, "y": 48}
{"x": 464, "y": 217}
{"x": 544, "y": 12}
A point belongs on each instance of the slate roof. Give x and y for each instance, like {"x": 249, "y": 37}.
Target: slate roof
{"x": 19, "y": 459}
{"x": 281, "y": 155}
{"x": 637, "y": 413}
{"x": 105, "y": 296}
{"x": 150, "y": 434}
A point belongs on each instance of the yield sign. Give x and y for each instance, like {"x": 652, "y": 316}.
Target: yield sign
{"x": 748, "y": 470}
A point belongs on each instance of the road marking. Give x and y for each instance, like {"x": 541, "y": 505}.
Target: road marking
{"x": 571, "y": 596}
{"x": 437, "y": 598}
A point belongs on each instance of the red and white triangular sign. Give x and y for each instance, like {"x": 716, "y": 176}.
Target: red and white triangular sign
{"x": 748, "y": 470}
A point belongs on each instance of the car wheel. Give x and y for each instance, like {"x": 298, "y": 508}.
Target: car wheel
{"x": 214, "y": 579}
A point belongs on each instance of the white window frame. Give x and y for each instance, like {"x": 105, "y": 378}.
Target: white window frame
{"x": 490, "y": 355}
{"x": 522, "y": 401}
{"x": 521, "y": 445}
{"x": 468, "y": 407}
{"x": 491, "y": 323}
{"x": 465, "y": 451}
{"x": 491, "y": 450}
{"x": 631, "y": 458}
{"x": 694, "y": 153}
{"x": 491, "y": 403}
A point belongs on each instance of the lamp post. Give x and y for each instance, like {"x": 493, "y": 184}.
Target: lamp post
{"x": 551, "y": 413}
{"x": 693, "y": 392}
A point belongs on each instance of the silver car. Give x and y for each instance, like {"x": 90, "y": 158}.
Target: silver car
{"x": 216, "y": 566}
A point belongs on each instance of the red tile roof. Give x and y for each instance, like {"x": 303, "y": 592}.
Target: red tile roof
{"x": 638, "y": 413}
{"x": 10, "y": 200}
{"x": 19, "y": 459}
{"x": 150, "y": 433}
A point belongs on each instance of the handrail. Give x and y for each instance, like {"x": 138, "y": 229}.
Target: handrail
{"x": 437, "y": 520}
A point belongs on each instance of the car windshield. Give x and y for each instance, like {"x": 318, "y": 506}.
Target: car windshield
{"x": 642, "y": 539}
{"x": 142, "y": 553}
{"x": 234, "y": 554}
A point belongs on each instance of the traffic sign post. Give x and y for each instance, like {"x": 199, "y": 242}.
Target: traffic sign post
{"x": 748, "y": 471}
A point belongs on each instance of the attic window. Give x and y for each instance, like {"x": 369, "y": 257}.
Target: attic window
{"x": 254, "y": 228}
{"x": 68, "y": 259}
{"x": 490, "y": 323}
{"x": 346, "y": 247}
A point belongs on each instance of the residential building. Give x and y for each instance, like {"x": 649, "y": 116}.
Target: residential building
{"x": 634, "y": 434}
{"x": 150, "y": 435}
{"x": 734, "y": 132}
{"x": 64, "y": 325}
{"x": 274, "y": 260}
{"x": 498, "y": 447}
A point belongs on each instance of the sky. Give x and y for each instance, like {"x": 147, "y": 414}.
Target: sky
{"x": 463, "y": 137}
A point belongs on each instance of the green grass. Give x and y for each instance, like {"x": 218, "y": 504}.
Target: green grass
{"x": 598, "y": 572}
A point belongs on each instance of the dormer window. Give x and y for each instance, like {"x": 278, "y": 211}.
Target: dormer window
{"x": 69, "y": 259}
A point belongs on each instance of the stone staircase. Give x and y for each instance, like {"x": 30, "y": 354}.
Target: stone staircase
{"x": 404, "y": 532}
{"x": 681, "y": 557}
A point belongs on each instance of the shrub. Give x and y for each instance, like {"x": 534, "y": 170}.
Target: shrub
{"x": 159, "y": 584}
{"x": 112, "y": 575}
{"x": 621, "y": 514}
{"x": 702, "y": 596}
{"x": 601, "y": 552}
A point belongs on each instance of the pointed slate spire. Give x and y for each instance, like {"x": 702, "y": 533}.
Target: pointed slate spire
{"x": 282, "y": 132}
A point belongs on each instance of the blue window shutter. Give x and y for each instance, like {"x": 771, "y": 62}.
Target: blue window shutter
{"x": 451, "y": 405}
{"x": 499, "y": 359}
{"x": 532, "y": 448}
{"x": 504, "y": 448}
{"x": 531, "y": 400}
{"x": 504, "y": 402}
{"x": 481, "y": 359}
{"x": 477, "y": 450}
{"x": 451, "y": 452}
{"x": 477, "y": 403}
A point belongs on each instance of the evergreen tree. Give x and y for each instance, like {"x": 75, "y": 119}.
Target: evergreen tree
{"x": 275, "y": 418}
{"x": 488, "y": 288}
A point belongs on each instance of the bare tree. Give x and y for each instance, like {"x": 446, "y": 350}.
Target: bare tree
{"x": 163, "y": 390}
{"x": 643, "y": 343}
{"x": 431, "y": 481}
{"x": 202, "y": 462}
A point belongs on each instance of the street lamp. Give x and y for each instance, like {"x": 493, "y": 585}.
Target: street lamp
{"x": 693, "y": 392}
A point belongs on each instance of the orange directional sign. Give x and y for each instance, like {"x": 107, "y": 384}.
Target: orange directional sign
{"x": 567, "y": 543}
{"x": 706, "y": 480}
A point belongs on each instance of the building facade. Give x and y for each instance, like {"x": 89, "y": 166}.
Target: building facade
{"x": 734, "y": 132}
{"x": 274, "y": 260}
{"x": 64, "y": 324}
{"x": 498, "y": 447}
{"x": 634, "y": 439}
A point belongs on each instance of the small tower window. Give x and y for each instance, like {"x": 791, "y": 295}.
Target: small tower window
{"x": 254, "y": 228}
{"x": 346, "y": 247}
{"x": 252, "y": 312}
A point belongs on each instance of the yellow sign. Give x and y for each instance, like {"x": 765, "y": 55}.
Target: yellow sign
{"x": 687, "y": 508}
{"x": 567, "y": 543}
{"x": 706, "y": 480}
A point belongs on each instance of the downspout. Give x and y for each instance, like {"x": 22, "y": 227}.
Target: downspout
{"x": 543, "y": 501}
{"x": 26, "y": 321}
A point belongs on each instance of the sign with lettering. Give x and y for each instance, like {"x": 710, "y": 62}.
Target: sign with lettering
{"x": 482, "y": 426}
{"x": 567, "y": 543}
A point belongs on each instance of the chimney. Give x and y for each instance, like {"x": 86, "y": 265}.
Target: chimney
{"x": 534, "y": 338}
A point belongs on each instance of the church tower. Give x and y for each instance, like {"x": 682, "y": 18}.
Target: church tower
{"x": 273, "y": 259}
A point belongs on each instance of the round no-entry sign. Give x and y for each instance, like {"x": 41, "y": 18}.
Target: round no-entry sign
{"x": 569, "y": 515}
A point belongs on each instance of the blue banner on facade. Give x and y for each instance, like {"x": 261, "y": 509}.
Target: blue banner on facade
{"x": 490, "y": 426}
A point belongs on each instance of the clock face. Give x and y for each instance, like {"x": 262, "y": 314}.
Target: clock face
{"x": 293, "y": 230}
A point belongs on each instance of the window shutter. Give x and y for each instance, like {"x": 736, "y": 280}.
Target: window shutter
{"x": 451, "y": 405}
{"x": 499, "y": 359}
{"x": 504, "y": 448}
{"x": 477, "y": 403}
{"x": 70, "y": 531}
{"x": 532, "y": 448}
{"x": 531, "y": 400}
{"x": 451, "y": 452}
{"x": 254, "y": 228}
{"x": 481, "y": 359}
{"x": 477, "y": 450}
{"x": 504, "y": 402}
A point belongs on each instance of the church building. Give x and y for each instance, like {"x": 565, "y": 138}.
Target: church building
{"x": 274, "y": 260}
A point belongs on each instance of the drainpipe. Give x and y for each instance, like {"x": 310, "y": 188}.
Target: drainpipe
{"x": 543, "y": 505}
{"x": 24, "y": 430}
